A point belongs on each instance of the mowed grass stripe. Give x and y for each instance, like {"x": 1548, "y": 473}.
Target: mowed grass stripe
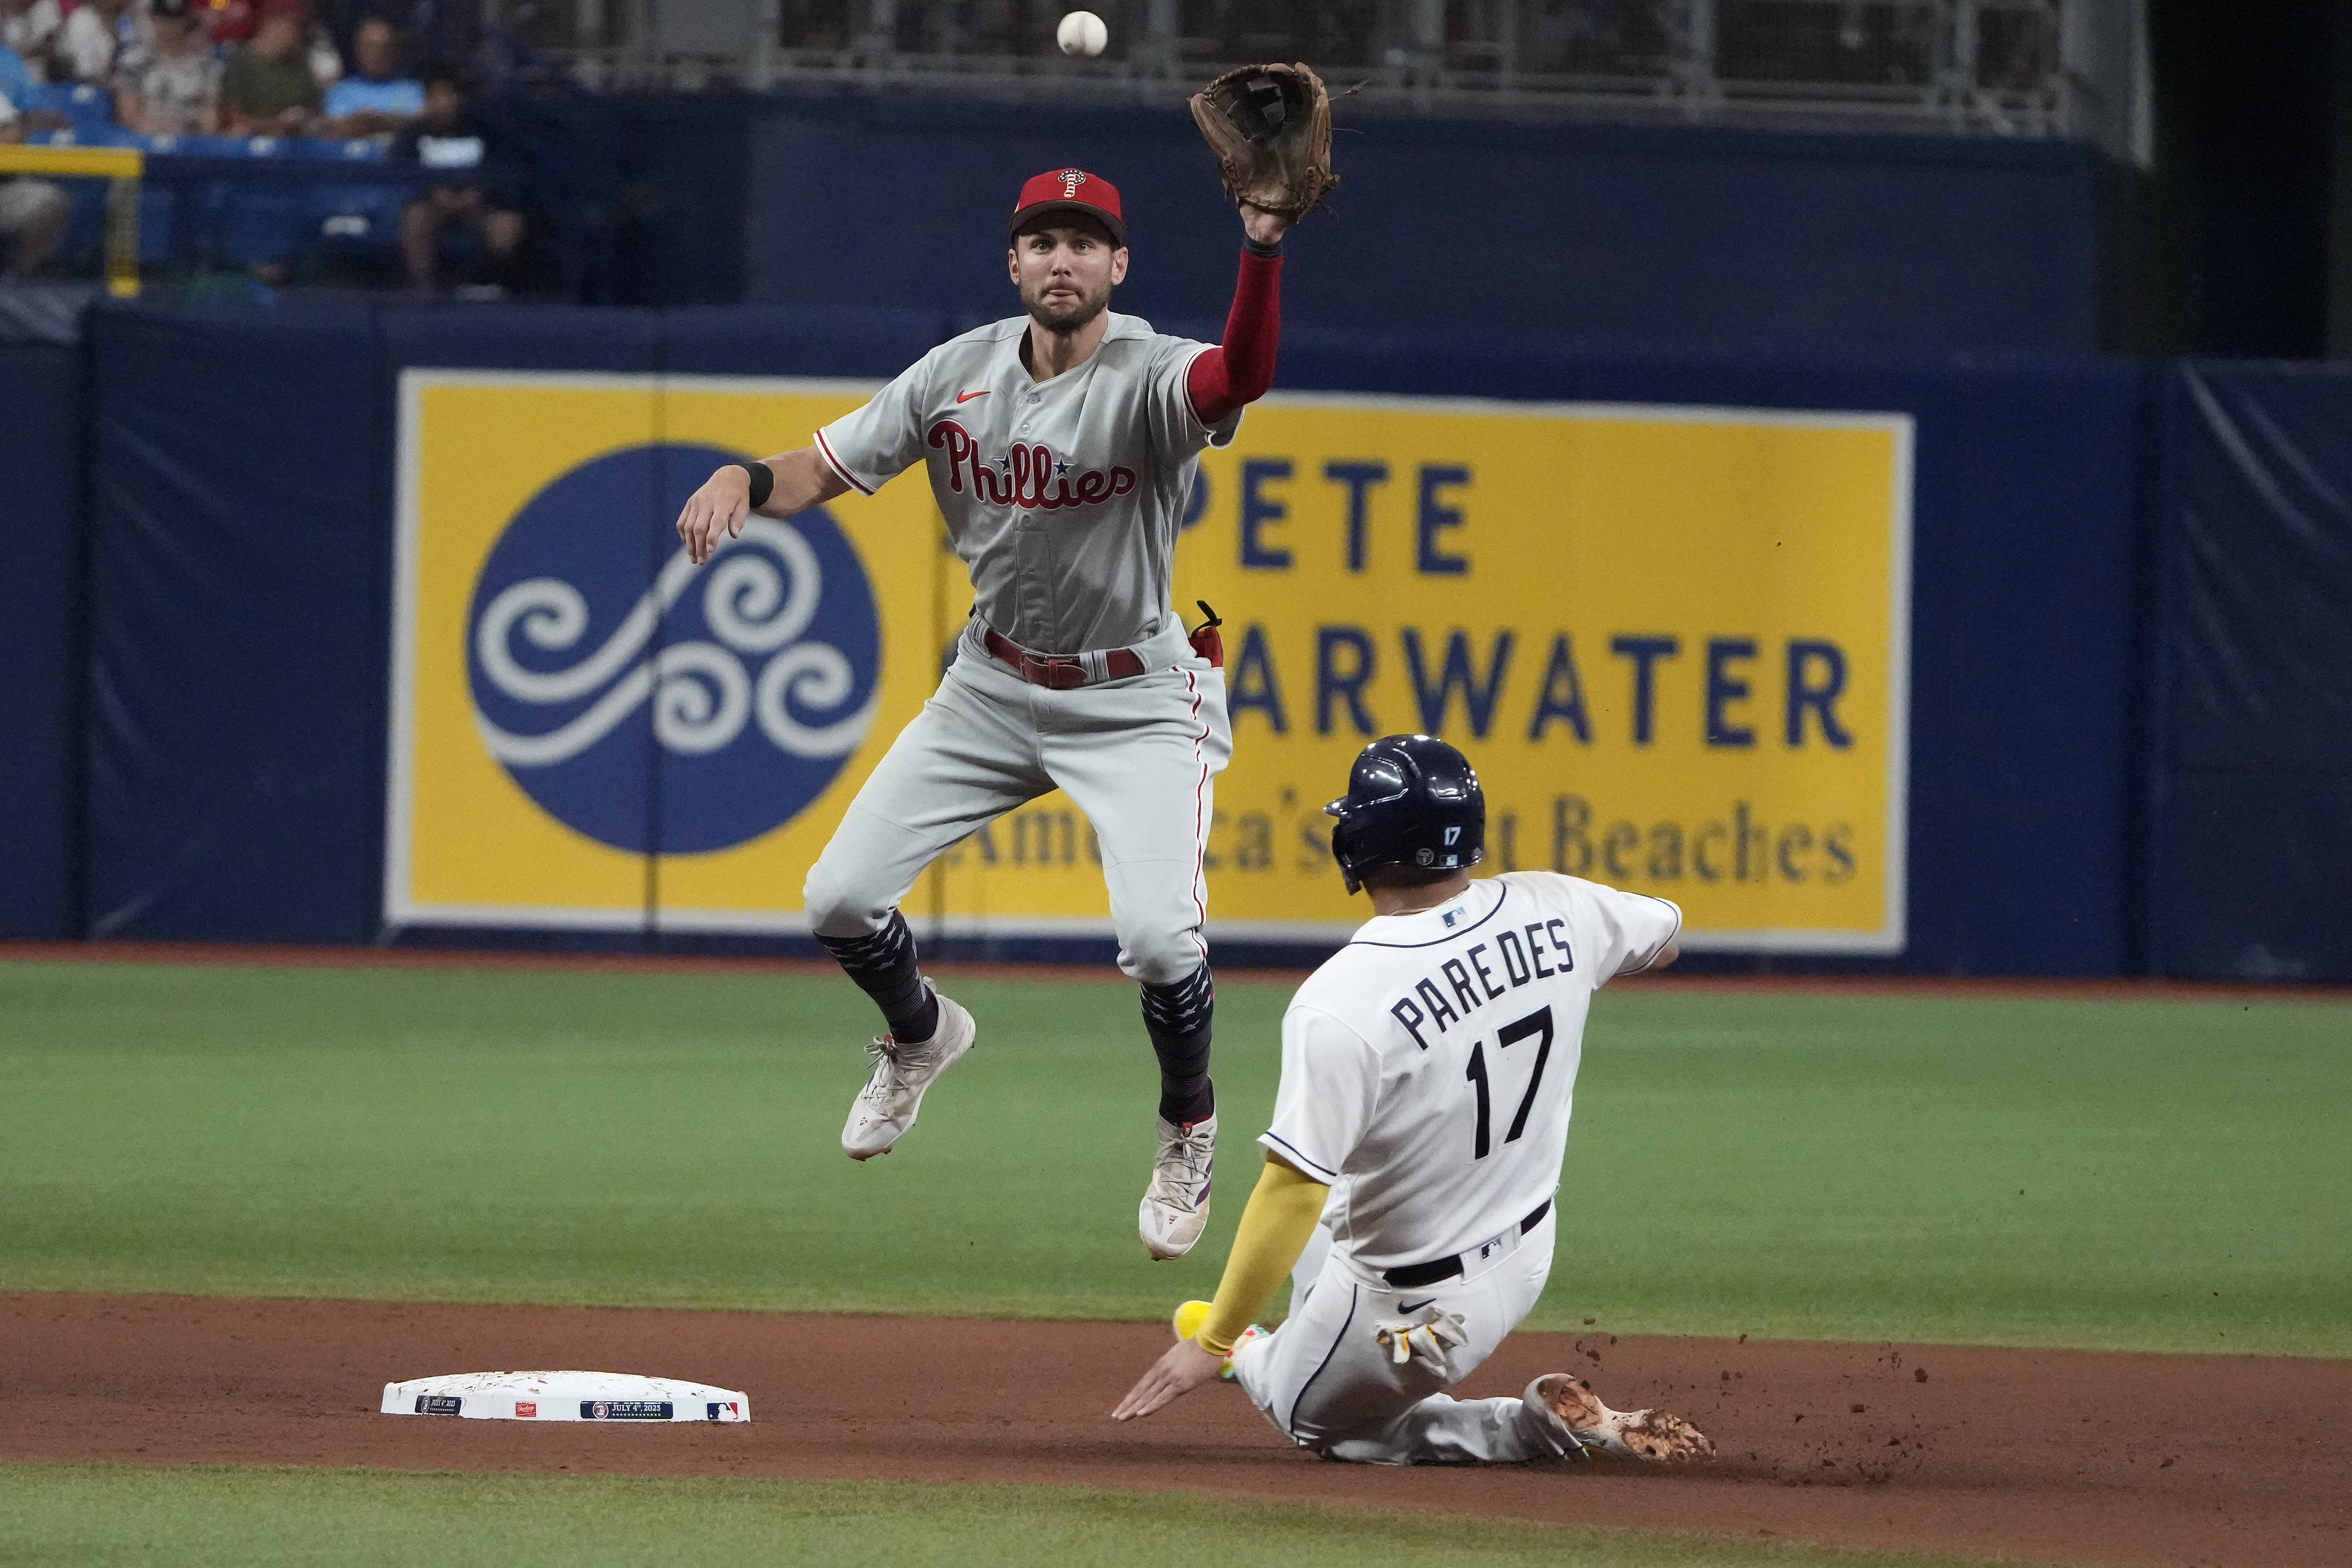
{"x": 2157, "y": 1175}
{"x": 199, "y": 1517}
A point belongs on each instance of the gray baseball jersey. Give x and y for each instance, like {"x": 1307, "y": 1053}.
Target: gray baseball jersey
{"x": 1429, "y": 1066}
{"x": 1062, "y": 497}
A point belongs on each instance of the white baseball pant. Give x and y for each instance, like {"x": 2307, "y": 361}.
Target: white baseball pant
{"x": 1139, "y": 756}
{"x": 1329, "y": 1384}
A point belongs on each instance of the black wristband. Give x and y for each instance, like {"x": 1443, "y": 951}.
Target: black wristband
{"x": 1260, "y": 249}
{"x": 763, "y": 482}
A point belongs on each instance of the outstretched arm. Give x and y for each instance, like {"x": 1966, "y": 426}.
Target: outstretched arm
{"x": 1281, "y": 1216}
{"x": 1239, "y": 371}
{"x": 803, "y": 479}
{"x": 1664, "y": 960}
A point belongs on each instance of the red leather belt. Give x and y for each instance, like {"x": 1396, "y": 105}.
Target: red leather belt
{"x": 1061, "y": 672}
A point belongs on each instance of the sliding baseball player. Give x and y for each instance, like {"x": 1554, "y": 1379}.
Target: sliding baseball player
{"x": 1427, "y": 1076}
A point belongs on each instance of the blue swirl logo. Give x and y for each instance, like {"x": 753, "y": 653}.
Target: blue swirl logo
{"x": 653, "y": 707}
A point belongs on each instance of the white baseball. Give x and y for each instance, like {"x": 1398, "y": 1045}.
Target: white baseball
{"x": 1082, "y": 33}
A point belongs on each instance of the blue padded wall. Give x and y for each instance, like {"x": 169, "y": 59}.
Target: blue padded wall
{"x": 40, "y": 638}
{"x": 238, "y": 574}
{"x": 2249, "y": 854}
{"x": 1603, "y": 237}
{"x": 241, "y": 583}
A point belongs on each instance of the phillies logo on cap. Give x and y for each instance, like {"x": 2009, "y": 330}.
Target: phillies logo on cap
{"x": 1058, "y": 190}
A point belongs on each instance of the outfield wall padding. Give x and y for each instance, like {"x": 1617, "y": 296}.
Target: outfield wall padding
{"x": 1651, "y": 237}
{"x": 2250, "y": 857}
{"x": 242, "y": 529}
{"x": 237, "y": 577}
{"x": 40, "y": 638}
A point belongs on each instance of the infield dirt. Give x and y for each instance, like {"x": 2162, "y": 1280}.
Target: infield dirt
{"x": 2054, "y": 1455}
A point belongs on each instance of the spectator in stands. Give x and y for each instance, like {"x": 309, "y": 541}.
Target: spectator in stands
{"x": 94, "y": 37}
{"x": 30, "y": 28}
{"x": 266, "y": 88}
{"x": 32, "y": 212}
{"x": 16, "y": 76}
{"x": 449, "y": 138}
{"x": 232, "y": 21}
{"x": 176, "y": 91}
{"x": 376, "y": 100}
{"x": 326, "y": 62}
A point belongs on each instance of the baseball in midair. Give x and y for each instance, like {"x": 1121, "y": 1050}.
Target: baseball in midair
{"x": 1082, "y": 33}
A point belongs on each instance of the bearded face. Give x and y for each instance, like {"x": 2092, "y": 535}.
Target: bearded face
{"x": 1066, "y": 267}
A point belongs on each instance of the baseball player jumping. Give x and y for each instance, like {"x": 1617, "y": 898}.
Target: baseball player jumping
{"x": 1062, "y": 446}
{"x": 1427, "y": 1072}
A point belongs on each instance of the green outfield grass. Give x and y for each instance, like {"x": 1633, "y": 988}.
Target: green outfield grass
{"x": 2142, "y": 1173}
{"x": 194, "y": 1518}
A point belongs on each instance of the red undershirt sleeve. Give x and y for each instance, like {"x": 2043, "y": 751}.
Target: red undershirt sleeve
{"x": 1240, "y": 370}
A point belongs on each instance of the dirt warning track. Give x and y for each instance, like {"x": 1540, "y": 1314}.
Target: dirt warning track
{"x": 2065, "y": 1456}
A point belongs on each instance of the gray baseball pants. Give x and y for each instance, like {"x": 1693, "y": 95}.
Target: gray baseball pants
{"x": 1139, "y": 756}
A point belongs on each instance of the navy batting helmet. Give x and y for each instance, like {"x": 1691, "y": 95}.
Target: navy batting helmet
{"x": 1412, "y": 800}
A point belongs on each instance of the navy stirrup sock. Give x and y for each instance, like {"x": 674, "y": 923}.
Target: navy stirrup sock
{"x": 883, "y": 964}
{"x": 1177, "y": 1017}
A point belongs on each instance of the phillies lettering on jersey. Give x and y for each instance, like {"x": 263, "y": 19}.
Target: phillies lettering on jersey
{"x": 1064, "y": 497}
{"x": 1429, "y": 1066}
{"x": 1026, "y": 468}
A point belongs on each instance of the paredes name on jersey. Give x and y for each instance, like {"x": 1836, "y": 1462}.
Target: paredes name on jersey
{"x": 1537, "y": 952}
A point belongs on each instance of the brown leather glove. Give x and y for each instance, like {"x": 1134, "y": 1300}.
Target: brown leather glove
{"x": 1270, "y": 127}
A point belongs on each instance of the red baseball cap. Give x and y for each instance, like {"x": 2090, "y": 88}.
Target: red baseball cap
{"x": 1076, "y": 191}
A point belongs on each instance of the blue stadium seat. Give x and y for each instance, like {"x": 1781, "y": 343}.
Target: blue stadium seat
{"x": 211, "y": 146}
{"x": 88, "y": 105}
{"x": 357, "y": 150}
{"x": 105, "y": 135}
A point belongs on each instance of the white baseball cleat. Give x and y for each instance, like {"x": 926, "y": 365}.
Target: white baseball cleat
{"x": 1175, "y": 1207}
{"x": 886, "y": 1105}
{"x": 1627, "y": 1434}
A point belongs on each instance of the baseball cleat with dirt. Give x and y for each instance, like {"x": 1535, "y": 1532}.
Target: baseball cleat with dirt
{"x": 1650, "y": 1435}
{"x": 1175, "y": 1207}
{"x": 893, "y": 1094}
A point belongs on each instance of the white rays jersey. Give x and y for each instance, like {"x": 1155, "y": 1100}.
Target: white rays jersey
{"x": 1429, "y": 1066}
{"x": 1064, "y": 497}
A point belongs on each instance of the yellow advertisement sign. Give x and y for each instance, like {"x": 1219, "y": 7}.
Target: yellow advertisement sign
{"x": 587, "y": 732}
{"x": 1674, "y": 640}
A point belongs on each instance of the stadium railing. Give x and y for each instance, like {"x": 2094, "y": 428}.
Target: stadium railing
{"x": 216, "y": 201}
{"x": 2048, "y": 67}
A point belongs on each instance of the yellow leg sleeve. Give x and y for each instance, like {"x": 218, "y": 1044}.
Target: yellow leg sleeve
{"x": 1273, "y": 1230}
